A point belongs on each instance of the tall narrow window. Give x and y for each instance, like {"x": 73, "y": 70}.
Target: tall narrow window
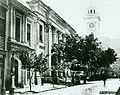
{"x": 40, "y": 33}
{"x": 28, "y": 33}
{"x": 91, "y": 11}
{"x": 94, "y": 11}
{"x": 2, "y": 33}
{"x": 17, "y": 29}
{"x": 2, "y": 27}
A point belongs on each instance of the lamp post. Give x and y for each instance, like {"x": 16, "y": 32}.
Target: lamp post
{"x": 12, "y": 75}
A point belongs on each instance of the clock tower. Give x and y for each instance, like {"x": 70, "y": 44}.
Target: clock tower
{"x": 92, "y": 21}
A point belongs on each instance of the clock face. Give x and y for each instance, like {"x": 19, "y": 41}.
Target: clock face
{"x": 91, "y": 25}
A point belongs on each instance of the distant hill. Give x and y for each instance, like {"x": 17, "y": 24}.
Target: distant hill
{"x": 112, "y": 43}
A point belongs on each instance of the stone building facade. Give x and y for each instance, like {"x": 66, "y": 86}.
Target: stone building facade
{"x": 3, "y": 43}
{"x": 31, "y": 26}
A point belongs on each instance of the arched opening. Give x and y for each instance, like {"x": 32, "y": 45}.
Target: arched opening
{"x": 17, "y": 71}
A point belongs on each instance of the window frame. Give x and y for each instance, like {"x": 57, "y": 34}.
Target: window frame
{"x": 30, "y": 22}
{"x": 41, "y": 24}
{"x": 20, "y": 16}
{"x": 29, "y": 43}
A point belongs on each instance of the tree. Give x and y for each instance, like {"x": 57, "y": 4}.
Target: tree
{"x": 115, "y": 68}
{"x": 110, "y": 55}
{"x": 33, "y": 62}
{"x": 91, "y": 49}
{"x": 56, "y": 58}
{"x": 87, "y": 51}
{"x": 40, "y": 65}
{"x": 28, "y": 61}
{"x": 107, "y": 58}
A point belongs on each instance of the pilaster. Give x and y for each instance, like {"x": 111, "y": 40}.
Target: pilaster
{"x": 49, "y": 44}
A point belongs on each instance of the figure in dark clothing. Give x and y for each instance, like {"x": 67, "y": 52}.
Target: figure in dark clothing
{"x": 104, "y": 79}
{"x": 72, "y": 78}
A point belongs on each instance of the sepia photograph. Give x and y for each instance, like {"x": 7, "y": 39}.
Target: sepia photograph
{"x": 59, "y": 47}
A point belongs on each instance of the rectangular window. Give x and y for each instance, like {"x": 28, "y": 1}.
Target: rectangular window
{"x": 91, "y": 11}
{"x": 28, "y": 33}
{"x": 40, "y": 33}
{"x": 17, "y": 29}
{"x": 2, "y": 27}
{"x": 2, "y": 33}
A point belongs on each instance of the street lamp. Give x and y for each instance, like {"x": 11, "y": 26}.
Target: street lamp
{"x": 12, "y": 75}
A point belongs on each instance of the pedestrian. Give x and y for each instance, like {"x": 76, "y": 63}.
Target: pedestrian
{"x": 72, "y": 78}
{"x": 104, "y": 79}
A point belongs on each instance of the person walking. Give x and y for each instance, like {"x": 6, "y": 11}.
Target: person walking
{"x": 104, "y": 78}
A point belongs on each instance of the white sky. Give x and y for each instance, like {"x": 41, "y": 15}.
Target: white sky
{"x": 73, "y": 12}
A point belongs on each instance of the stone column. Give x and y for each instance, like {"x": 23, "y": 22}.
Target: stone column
{"x": 24, "y": 29}
{"x": 19, "y": 71}
{"x": 13, "y": 23}
{"x": 49, "y": 45}
{"x": 12, "y": 20}
{"x": 25, "y": 33}
{"x": 55, "y": 36}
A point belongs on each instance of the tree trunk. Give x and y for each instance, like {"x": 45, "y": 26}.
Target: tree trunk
{"x": 30, "y": 79}
{"x": 36, "y": 83}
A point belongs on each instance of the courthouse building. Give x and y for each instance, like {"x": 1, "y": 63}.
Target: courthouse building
{"x": 31, "y": 26}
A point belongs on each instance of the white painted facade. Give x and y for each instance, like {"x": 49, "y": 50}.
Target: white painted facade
{"x": 93, "y": 22}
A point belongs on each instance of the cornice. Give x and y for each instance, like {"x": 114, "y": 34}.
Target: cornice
{"x": 50, "y": 14}
{"x": 4, "y": 5}
{"x": 20, "y": 6}
{"x": 18, "y": 46}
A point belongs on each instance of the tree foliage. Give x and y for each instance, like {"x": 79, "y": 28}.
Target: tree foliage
{"x": 27, "y": 58}
{"x": 33, "y": 62}
{"x": 87, "y": 51}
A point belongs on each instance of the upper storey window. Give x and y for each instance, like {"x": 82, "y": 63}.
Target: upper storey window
{"x": 17, "y": 29}
{"x": 41, "y": 33}
{"x": 94, "y": 11}
{"x": 28, "y": 33}
{"x": 18, "y": 26}
{"x": 2, "y": 33}
{"x": 2, "y": 27}
{"x": 91, "y": 11}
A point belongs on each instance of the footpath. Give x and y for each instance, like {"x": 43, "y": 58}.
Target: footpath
{"x": 91, "y": 88}
{"x": 36, "y": 89}
{"x": 111, "y": 87}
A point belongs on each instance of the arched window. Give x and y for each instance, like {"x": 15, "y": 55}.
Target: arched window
{"x": 91, "y": 11}
{"x": 94, "y": 11}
